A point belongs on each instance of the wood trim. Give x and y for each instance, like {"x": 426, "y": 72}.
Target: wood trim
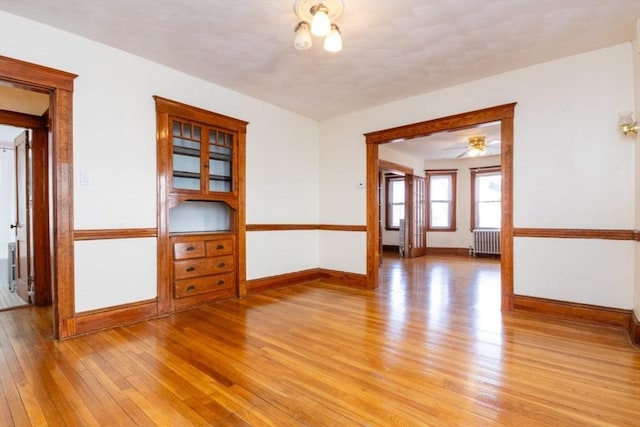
{"x": 115, "y": 233}
{"x": 428, "y": 127}
{"x": 281, "y": 280}
{"x": 59, "y": 85}
{"x": 95, "y": 320}
{"x": 504, "y": 114}
{"x": 35, "y": 76}
{"x": 178, "y": 109}
{"x": 290, "y": 227}
{"x": 448, "y": 251}
{"x": 385, "y": 164}
{"x": 41, "y": 246}
{"x": 373, "y": 216}
{"x": 584, "y": 313}
{"x": 343, "y": 278}
{"x": 634, "y": 329}
{"x": 22, "y": 120}
{"x": 574, "y": 233}
{"x": 339, "y": 227}
{"x": 506, "y": 234}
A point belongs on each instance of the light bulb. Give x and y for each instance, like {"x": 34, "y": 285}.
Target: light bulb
{"x": 302, "y": 39}
{"x": 320, "y": 24}
{"x": 333, "y": 41}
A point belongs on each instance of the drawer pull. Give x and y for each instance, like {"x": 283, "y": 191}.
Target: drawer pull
{"x": 221, "y": 264}
{"x": 220, "y": 282}
{"x": 191, "y": 288}
{"x": 190, "y": 249}
{"x": 220, "y": 247}
{"x": 191, "y": 269}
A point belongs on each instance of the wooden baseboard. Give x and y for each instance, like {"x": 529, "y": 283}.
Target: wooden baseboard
{"x": 634, "y": 329}
{"x": 281, "y": 280}
{"x": 584, "y": 313}
{"x": 343, "y": 278}
{"x": 96, "y": 320}
{"x": 448, "y": 251}
{"x": 332, "y": 276}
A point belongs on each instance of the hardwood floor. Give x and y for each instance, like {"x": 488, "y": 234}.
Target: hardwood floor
{"x": 430, "y": 347}
{"x": 9, "y": 299}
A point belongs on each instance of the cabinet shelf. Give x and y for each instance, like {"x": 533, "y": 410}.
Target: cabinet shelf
{"x": 193, "y": 152}
{"x": 196, "y": 175}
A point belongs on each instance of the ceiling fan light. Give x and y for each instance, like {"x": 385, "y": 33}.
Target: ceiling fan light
{"x": 302, "y": 39}
{"x": 333, "y": 41}
{"x": 320, "y": 24}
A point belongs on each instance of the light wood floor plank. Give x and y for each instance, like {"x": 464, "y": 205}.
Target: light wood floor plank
{"x": 429, "y": 347}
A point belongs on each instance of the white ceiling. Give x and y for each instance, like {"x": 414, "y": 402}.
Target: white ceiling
{"x": 393, "y": 49}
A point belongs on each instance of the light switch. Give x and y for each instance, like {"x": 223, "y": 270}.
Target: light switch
{"x": 85, "y": 179}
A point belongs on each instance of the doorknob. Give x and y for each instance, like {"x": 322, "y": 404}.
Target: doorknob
{"x": 14, "y": 226}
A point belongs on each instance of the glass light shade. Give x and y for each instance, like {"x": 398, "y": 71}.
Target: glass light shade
{"x": 625, "y": 118}
{"x": 333, "y": 41}
{"x": 320, "y": 24}
{"x": 627, "y": 124}
{"x": 474, "y": 152}
{"x": 302, "y": 40}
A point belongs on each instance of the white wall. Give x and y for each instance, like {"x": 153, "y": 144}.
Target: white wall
{"x": 572, "y": 168}
{"x": 115, "y": 145}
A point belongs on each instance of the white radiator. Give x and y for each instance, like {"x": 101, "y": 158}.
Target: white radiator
{"x": 486, "y": 242}
{"x": 12, "y": 267}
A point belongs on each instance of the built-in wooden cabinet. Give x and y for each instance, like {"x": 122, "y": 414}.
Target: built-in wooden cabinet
{"x": 203, "y": 264}
{"x": 201, "y": 231}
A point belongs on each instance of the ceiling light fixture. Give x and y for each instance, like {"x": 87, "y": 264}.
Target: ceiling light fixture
{"x": 322, "y": 16}
{"x": 477, "y": 146}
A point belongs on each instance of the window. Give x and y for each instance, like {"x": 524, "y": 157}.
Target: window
{"x": 486, "y": 198}
{"x": 395, "y": 202}
{"x": 441, "y": 194}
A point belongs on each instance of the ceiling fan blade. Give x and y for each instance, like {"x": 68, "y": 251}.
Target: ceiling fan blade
{"x": 463, "y": 154}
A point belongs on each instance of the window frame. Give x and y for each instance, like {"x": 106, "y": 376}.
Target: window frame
{"x": 453, "y": 174}
{"x": 388, "y": 223}
{"x": 475, "y": 172}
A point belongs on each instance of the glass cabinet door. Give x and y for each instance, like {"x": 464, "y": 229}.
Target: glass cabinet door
{"x": 202, "y": 158}
{"x": 187, "y": 146}
{"x": 220, "y": 164}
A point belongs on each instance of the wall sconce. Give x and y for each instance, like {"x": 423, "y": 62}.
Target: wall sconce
{"x": 627, "y": 125}
{"x": 317, "y": 17}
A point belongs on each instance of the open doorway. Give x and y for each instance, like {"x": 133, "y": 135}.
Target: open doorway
{"x": 24, "y": 208}
{"x": 58, "y": 87}
{"x": 502, "y": 114}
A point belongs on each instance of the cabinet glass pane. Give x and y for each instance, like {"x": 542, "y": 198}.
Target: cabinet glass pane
{"x": 186, "y": 156}
{"x": 220, "y": 155}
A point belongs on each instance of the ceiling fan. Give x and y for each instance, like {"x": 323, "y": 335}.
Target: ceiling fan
{"x": 478, "y": 146}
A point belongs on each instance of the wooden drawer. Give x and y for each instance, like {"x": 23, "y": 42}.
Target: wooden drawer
{"x": 188, "y": 250}
{"x": 199, "y": 285}
{"x": 219, "y": 247}
{"x": 202, "y": 267}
